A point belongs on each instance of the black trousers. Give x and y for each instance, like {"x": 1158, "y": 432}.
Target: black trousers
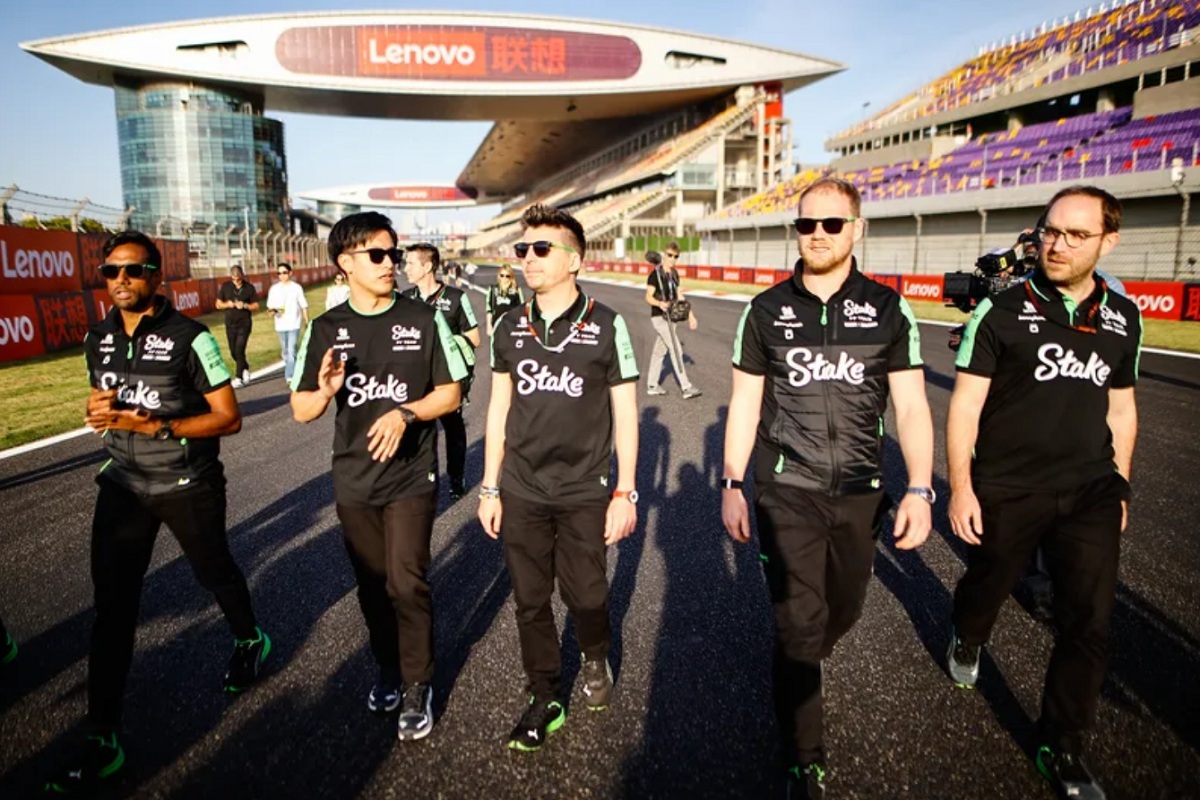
{"x": 1079, "y": 531}
{"x": 546, "y": 541}
{"x": 389, "y": 551}
{"x": 455, "y": 428}
{"x": 124, "y": 528}
{"x": 818, "y": 556}
{"x": 238, "y": 334}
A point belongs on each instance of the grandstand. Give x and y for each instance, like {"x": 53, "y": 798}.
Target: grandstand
{"x": 1111, "y": 98}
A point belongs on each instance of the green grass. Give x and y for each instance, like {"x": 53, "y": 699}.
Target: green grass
{"x": 1160, "y": 333}
{"x": 46, "y": 395}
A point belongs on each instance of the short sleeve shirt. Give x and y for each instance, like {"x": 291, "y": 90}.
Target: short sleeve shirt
{"x": 1051, "y": 364}
{"x": 663, "y": 279}
{"x": 391, "y": 357}
{"x": 230, "y": 292}
{"x": 454, "y": 305}
{"x": 559, "y": 433}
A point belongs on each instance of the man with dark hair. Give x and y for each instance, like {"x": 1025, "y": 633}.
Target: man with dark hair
{"x": 389, "y": 364}
{"x": 239, "y": 299}
{"x": 814, "y": 362}
{"x": 286, "y": 302}
{"x": 564, "y": 392}
{"x": 1039, "y": 443}
{"x": 161, "y": 400}
{"x": 420, "y": 267}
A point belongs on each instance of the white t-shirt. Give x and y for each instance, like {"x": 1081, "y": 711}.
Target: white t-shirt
{"x": 336, "y": 295}
{"x": 289, "y": 298}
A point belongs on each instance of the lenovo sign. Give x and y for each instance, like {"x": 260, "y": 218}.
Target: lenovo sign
{"x": 37, "y": 261}
{"x": 388, "y": 51}
{"x": 20, "y": 334}
{"x": 921, "y": 287}
{"x": 1157, "y": 300}
{"x": 419, "y": 194}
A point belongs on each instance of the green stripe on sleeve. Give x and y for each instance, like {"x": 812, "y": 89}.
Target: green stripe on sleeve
{"x": 1137, "y": 359}
{"x": 454, "y": 359}
{"x": 914, "y": 334}
{"x": 625, "y": 355}
{"x": 967, "y": 350}
{"x": 209, "y": 352}
{"x": 468, "y": 311}
{"x": 741, "y": 331}
{"x": 301, "y": 357}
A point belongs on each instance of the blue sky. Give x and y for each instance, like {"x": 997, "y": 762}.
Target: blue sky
{"x": 58, "y": 135}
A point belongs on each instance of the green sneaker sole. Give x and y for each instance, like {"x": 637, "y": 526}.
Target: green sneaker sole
{"x": 262, "y": 658}
{"x": 513, "y": 744}
{"x": 12, "y": 652}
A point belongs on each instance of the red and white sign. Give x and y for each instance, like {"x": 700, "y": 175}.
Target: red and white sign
{"x": 1157, "y": 300}
{"x": 921, "y": 287}
{"x": 185, "y": 296}
{"x": 33, "y": 261}
{"x": 20, "y": 334}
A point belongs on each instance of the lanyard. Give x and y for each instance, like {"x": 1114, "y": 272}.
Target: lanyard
{"x": 576, "y": 326}
{"x": 1089, "y": 324}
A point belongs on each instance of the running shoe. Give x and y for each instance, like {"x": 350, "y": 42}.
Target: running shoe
{"x": 246, "y": 376}
{"x": 416, "y": 713}
{"x": 458, "y": 488}
{"x": 541, "y": 718}
{"x": 385, "y": 694}
{"x": 962, "y": 662}
{"x": 246, "y": 661}
{"x": 98, "y": 760}
{"x": 806, "y": 781}
{"x": 656, "y": 391}
{"x": 597, "y": 683}
{"x": 691, "y": 392}
{"x": 10, "y": 649}
{"x": 1068, "y": 774}
{"x": 236, "y": 383}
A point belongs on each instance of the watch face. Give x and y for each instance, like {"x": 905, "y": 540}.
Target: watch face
{"x": 633, "y": 497}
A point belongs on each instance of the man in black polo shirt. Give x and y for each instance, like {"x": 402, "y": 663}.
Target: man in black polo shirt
{"x": 161, "y": 402}
{"x": 564, "y": 391}
{"x": 390, "y": 365}
{"x": 420, "y": 267}
{"x": 1039, "y": 442}
{"x": 814, "y": 360}
{"x": 239, "y": 299}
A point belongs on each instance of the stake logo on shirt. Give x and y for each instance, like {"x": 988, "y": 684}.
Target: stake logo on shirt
{"x": 808, "y": 366}
{"x": 363, "y": 389}
{"x": 140, "y": 395}
{"x": 535, "y": 377}
{"x": 1059, "y": 362}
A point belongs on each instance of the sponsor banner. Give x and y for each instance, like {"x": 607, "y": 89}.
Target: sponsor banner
{"x": 1191, "y": 302}
{"x": 185, "y": 296}
{"x": 644, "y": 269}
{"x": 91, "y": 256}
{"x": 64, "y": 319}
{"x": 33, "y": 261}
{"x": 208, "y": 293}
{"x": 1157, "y": 300}
{"x": 456, "y": 53}
{"x": 20, "y": 333}
{"x": 890, "y": 281}
{"x": 419, "y": 194}
{"x": 921, "y": 287}
{"x": 731, "y": 274}
{"x": 767, "y": 277}
{"x": 101, "y": 303}
{"x": 707, "y": 274}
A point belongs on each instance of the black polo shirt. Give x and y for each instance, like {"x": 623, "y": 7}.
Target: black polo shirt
{"x": 1051, "y": 363}
{"x": 392, "y": 357}
{"x": 230, "y": 292}
{"x": 558, "y": 439}
{"x": 499, "y": 302}
{"x": 454, "y": 305}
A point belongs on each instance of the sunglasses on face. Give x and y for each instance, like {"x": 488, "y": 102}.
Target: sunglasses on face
{"x": 378, "y": 254}
{"x": 506, "y": 275}
{"x": 806, "y": 226}
{"x": 132, "y": 271}
{"x": 540, "y": 249}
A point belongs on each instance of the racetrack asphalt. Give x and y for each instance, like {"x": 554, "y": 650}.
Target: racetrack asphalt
{"x": 692, "y": 716}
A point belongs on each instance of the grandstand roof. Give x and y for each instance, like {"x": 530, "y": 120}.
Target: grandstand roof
{"x": 539, "y": 75}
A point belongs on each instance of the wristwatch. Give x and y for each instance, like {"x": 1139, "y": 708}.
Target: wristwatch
{"x": 924, "y": 492}
{"x": 164, "y": 431}
{"x": 730, "y": 483}
{"x": 407, "y": 413}
{"x": 631, "y": 495}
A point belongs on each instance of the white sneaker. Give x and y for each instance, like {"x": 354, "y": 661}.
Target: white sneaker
{"x": 237, "y": 383}
{"x": 245, "y": 376}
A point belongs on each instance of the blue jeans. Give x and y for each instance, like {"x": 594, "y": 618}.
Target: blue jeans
{"x": 289, "y": 340}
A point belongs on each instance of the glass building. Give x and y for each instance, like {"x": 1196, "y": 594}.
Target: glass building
{"x": 199, "y": 156}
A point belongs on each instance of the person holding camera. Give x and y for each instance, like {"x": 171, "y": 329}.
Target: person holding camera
{"x": 1039, "y": 443}
{"x": 668, "y": 307}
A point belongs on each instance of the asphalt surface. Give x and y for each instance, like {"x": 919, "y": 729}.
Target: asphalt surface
{"x": 692, "y": 717}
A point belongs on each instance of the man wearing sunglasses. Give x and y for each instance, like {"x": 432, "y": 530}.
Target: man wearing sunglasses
{"x": 420, "y": 267}
{"x": 286, "y": 302}
{"x": 389, "y": 364}
{"x": 1039, "y": 443}
{"x": 564, "y": 393}
{"x": 815, "y": 360}
{"x": 662, "y": 291}
{"x": 160, "y": 400}
{"x": 238, "y": 298}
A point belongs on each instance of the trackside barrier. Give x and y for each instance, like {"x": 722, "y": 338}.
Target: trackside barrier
{"x": 51, "y": 292}
{"x": 1168, "y": 300}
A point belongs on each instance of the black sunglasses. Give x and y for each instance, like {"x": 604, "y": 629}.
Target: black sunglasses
{"x": 540, "y": 249}
{"x": 806, "y": 226}
{"x": 132, "y": 271}
{"x": 378, "y": 254}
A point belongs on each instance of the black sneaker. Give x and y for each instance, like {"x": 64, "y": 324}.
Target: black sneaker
{"x": 962, "y": 662}
{"x": 385, "y": 694}
{"x": 541, "y": 718}
{"x": 597, "y": 683}
{"x": 10, "y": 649}
{"x": 458, "y": 489}
{"x": 97, "y": 761}
{"x": 246, "y": 661}
{"x": 1068, "y": 774}
{"x": 416, "y": 713}
{"x": 806, "y": 781}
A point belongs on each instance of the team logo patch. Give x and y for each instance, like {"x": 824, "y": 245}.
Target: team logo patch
{"x": 405, "y": 339}
{"x": 859, "y": 315}
{"x": 808, "y": 366}
{"x": 1113, "y": 321}
{"x": 1058, "y": 362}
{"x": 535, "y": 377}
{"x": 363, "y": 389}
{"x": 157, "y": 348}
{"x": 140, "y": 395}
